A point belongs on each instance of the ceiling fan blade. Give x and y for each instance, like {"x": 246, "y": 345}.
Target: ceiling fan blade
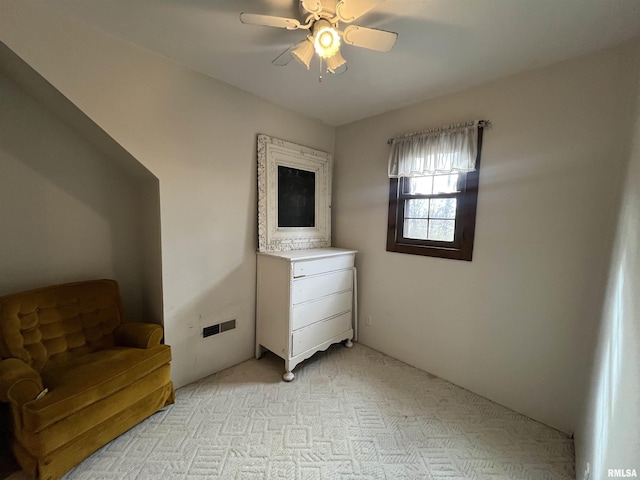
{"x": 269, "y": 21}
{"x": 349, "y": 10}
{"x": 312, "y": 6}
{"x": 284, "y": 58}
{"x": 371, "y": 38}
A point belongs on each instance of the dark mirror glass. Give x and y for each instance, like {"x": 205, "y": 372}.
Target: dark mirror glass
{"x": 296, "y": 197}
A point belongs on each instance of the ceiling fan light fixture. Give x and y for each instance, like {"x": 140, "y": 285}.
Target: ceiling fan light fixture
{"x": 303, "y": 52}
{"x": 322, "y": 18}
{"x": 335, "y": 62}
{"x": 326, "y": 39}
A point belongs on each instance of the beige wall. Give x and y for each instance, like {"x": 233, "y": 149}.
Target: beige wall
{"x": 517, "y": 324}
{"x": 608, "y": 436}
{"x": 68, "y": 212}
{"x": 198, "y": 136}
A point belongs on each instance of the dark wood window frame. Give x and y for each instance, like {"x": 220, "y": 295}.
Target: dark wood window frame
{"x": 461, "y": 248}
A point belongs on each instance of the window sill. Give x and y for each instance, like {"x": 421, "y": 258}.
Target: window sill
{"x": 431, "y": 251}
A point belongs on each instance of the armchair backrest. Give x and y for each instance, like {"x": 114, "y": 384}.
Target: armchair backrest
{"x": 49, "y": 324}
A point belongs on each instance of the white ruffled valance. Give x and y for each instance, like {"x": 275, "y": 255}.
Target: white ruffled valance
{"x": 442, "y": 150}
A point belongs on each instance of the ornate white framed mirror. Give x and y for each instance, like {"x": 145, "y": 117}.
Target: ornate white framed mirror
{"x": 294, "y": 196}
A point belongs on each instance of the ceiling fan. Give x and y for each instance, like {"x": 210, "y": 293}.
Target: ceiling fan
{"x": 322, "y": 18}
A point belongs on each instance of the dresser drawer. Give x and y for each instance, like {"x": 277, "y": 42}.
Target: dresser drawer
{"x": 313, "y": 335}
{"x": 322, "y": 265}
{"x": 312, "y": 288}
{"x": 307, "y": 313}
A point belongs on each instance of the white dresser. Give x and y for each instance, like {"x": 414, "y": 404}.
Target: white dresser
{"x": 304, "y": 302}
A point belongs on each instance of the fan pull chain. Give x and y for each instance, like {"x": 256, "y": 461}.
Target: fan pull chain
{"x": 320, "y": 74}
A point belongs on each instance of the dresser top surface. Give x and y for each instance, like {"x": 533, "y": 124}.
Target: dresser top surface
{"x": 309, "y": 254}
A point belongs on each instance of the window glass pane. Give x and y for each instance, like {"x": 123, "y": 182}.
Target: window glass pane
{"x": 445, "y": 183}
{"x": 416, "y": 228}
{"x": 419, "y": 185}
{"x": 443, "y": 208}
{"x": 442, "y": 230}
{"x": 418, "y": 208}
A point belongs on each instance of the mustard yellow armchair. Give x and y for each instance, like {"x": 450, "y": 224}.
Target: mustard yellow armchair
{"x": 75, "y": 374}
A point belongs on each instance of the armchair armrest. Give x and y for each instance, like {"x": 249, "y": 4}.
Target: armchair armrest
{"x": 139, "y": 335}
{"x": 19, "y": 383}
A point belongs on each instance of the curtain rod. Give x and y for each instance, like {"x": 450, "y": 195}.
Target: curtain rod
{"x": 481, "y": 124}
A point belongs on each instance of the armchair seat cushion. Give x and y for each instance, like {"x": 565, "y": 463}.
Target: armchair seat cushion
{"x": 151, "y": 392}
{"x": 88, "y": 378}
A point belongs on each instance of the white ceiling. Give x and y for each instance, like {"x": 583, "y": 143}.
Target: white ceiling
{"x": 443, "y": 45}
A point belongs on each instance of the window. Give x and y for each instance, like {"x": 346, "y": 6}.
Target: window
{"x": 435, "y": 214}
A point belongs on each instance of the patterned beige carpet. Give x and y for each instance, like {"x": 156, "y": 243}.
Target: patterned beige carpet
{"x": 349, "y": 414}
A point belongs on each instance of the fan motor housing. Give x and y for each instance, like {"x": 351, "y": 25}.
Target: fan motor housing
{"x": 328, "y": 10}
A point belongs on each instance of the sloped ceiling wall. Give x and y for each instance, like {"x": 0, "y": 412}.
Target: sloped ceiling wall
{"x": 75, "y": 205}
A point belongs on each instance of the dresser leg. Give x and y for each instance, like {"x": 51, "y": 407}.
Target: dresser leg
{"x": 288, "y": 376}
{"x": 348, "y": 343}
